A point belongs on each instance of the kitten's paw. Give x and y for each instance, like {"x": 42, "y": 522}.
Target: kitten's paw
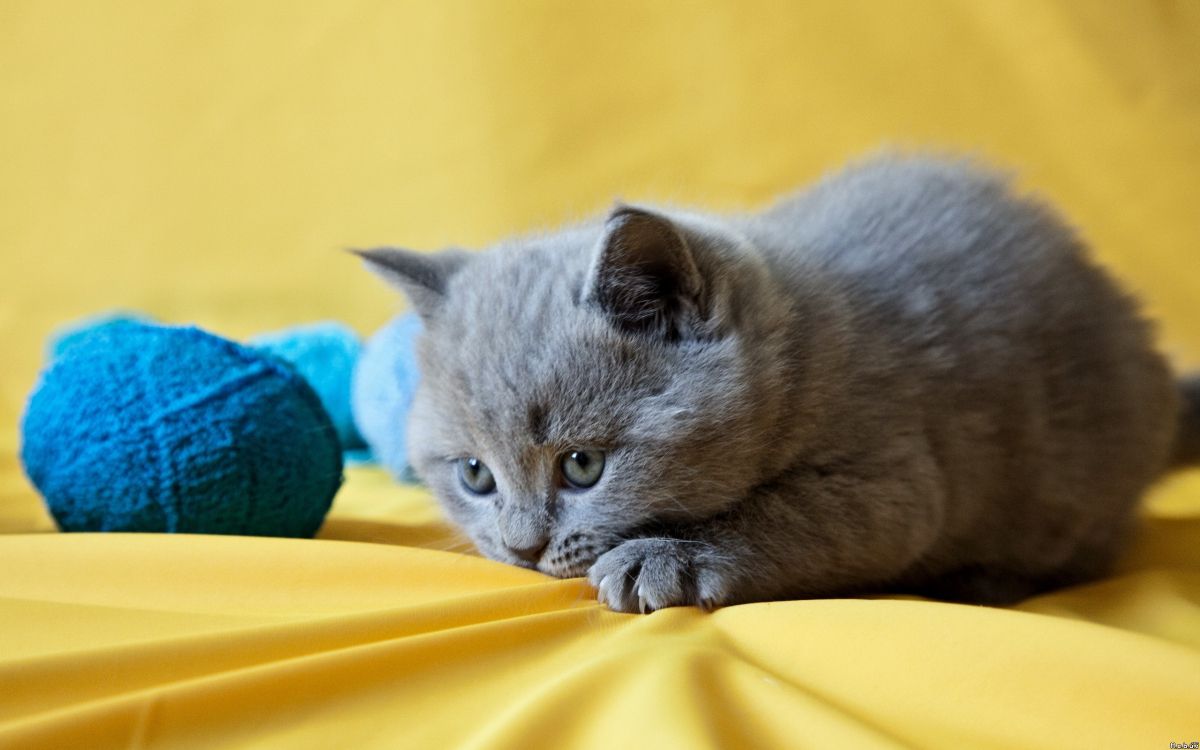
{"x": 642, "y": 575}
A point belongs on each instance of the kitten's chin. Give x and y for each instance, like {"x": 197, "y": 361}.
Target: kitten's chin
{"x": 571, "y": 570}
{"x": 540, "y": 566}
{"x": 574, "y": 570}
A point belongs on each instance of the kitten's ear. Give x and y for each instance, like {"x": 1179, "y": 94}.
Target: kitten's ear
{"x": 645, "y": 277}
{"x": 422, "y": 277}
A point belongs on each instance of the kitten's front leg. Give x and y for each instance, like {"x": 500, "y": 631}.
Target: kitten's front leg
{"x": 817, "y": 533}
{"x": 643, "y": 575}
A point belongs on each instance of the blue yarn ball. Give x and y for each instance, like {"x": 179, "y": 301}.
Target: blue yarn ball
{"x": 137, "y": 427}
{"x": 81, "y": 330}
{"x": 385, "y": 380}
{"x": 325, "y": 354}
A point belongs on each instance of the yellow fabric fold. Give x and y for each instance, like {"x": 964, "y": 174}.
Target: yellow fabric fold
{"x": 205, "y": 162}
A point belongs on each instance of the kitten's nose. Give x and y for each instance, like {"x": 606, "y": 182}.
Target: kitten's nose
{"x": 530, "y": 554}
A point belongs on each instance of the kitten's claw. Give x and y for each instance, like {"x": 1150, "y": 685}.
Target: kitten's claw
{"x": 602, "y": 588}
{"x": 658, "y": 573}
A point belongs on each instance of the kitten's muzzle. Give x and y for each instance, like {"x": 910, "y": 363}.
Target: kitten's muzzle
{"x": 529, "y": 554}
{"x": 524, "y": 533}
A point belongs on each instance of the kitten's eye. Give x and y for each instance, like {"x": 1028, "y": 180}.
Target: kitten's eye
{"x": 582, "y": 469}
{"x": 476, "y": 476}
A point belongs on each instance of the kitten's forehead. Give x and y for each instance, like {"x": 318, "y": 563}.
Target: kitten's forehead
{"x": 524, "y": 358}
{"x": 518, "y": 299}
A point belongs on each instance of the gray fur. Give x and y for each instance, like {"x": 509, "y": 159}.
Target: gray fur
{"x": 906, "y": 378}
{"x": 1187, "y": 445}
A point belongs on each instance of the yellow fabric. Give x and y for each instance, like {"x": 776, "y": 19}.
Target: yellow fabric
{"x": 204, "y": 161}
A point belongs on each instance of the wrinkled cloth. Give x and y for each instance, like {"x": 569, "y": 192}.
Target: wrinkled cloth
{"x": 207, "y": 162}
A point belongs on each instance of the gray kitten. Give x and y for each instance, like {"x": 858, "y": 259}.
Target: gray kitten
{"x": 906, "y": 378}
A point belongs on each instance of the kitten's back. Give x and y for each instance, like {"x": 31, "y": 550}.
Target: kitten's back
{"x": 1034, "y": 374}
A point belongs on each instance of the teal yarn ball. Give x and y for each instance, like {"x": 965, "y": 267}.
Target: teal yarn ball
{"x": 325, "y": 353}
{"x": 139, "y": 427}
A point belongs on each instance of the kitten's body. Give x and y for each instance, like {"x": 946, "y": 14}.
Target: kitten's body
{"x": 905, "y": 378}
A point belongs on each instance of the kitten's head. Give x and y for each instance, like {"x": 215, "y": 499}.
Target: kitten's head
{"x": 581, "y": 388}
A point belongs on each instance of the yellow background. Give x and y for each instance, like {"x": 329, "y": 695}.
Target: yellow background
{"x": 205, "y": 162}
